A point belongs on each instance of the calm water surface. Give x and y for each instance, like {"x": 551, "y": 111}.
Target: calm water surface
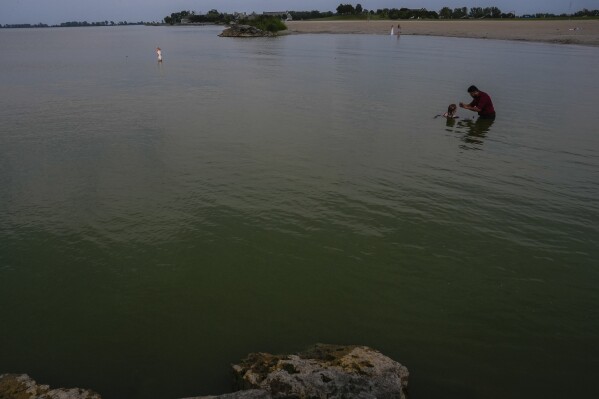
{"x": 160, "y": 221}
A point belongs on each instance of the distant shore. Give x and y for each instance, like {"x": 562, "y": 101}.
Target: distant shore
{"x": 576, "y": 31}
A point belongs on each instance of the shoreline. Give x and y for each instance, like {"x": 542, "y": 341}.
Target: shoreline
{"x": 578, "y": 32}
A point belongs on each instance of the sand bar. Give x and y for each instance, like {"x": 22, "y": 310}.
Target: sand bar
{"x": 583, "y": 32}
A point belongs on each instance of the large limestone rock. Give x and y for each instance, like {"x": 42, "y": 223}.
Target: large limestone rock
{"x": 325, "y": 371}
{"x": 248, "y": 394}
{"x": 21, "y": 386}
{"x": 244, "y": 31}
{"x": 322, "y": 372}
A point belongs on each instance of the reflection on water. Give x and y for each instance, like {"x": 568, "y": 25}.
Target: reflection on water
{"x": 472, "y": 131}
{"x": 264, "y": 195}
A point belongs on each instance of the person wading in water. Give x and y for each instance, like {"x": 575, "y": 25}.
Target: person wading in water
{"x": 481, "y": 103}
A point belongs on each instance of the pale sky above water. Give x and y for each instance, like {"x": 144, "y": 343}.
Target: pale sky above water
{"x": 56, "y": 11}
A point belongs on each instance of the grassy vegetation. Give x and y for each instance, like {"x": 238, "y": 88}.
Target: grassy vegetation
{"x": 266, "y": 23}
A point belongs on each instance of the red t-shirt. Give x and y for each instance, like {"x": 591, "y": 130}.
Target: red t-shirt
{"x": 484, "y": 103}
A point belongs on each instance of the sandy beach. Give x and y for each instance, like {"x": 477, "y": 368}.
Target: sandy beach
{"x": 582, "y": 32}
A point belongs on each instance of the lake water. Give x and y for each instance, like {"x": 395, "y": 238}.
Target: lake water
{"x": 160, "y": 221}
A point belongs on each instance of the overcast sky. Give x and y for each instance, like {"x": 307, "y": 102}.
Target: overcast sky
{"x": 56, "y": 11}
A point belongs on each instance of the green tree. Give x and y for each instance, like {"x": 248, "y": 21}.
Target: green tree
{"x": 476, "y": 12}
{"x": 175, "y": 18}
{"x": 586, "y": 13}
{"x": 394, "y": 13}
{"x": 445, "y": 12}
{"x": 495, "y": 12}
{"x": 213, "y": 16}
{"x": 314, "y": 14}
{"x": 359, "y": 8}
{"x": 345, "y": 9}
{"x": 460, "y": 12}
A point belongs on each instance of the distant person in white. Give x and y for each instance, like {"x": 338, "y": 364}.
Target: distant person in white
{"x": 391, "y": 30}
{"x": 159, "y": 54}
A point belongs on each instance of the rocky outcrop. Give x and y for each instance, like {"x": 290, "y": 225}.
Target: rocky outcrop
{"x": 245, "y": 31}
{"x": 321, "y": 372}
{"x": 324, "y": 371}
{"x": 21, "y": 386}
{"x": 247, "y": 394}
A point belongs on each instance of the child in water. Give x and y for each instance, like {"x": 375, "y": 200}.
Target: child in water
{"x": 451, "y": 112}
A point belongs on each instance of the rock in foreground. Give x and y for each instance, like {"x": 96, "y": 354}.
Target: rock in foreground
{"x": 21, "y": 386}
{"x": 248, "y": 394}
{"x": 245, "y": 31}
{"x": 324, "y": 371}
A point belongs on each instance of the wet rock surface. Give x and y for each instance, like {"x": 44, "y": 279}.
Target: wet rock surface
{"x": 247, "y": 394}
{"x": 21, "y": 386}
{"x": 245, "y": 31}
{"x": 324, "y": 371}
{"x": 321, "y": 372}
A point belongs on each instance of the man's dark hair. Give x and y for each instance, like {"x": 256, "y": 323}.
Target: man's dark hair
{"x": 472, "y": 89}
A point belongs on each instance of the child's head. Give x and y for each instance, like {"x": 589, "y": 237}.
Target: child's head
{"x": 451, "y": 109}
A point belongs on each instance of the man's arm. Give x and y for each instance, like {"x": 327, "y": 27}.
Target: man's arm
{"x": 470, "y": 107}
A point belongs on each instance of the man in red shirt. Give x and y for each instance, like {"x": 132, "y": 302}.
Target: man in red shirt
{"x": 481, "y": 103}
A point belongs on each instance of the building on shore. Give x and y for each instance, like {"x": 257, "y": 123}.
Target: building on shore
{"x": 285, "y": 15}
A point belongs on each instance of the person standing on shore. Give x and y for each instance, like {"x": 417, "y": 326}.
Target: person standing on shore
{"x": 481, "y": 103}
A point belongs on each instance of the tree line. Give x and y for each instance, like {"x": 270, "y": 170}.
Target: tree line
{"x": 214, "y": 16}
{"x": 423, "y": 13}
{"x": 100, "y": 23}
{"x": 271, "y": 23}
{"x": 72, "y": 24}
{"x": 448, "y": 13}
